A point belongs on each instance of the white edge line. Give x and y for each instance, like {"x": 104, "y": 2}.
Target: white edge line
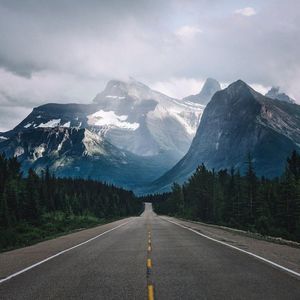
{"x": 236, "y": 248}
{"x": 60, "y": 253}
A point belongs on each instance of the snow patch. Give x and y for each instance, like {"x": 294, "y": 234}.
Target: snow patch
{"x": 3, "y": 138}
{"x": 188, "y": 119}
{"x": 115, "y": 97}
{"x": 219, "y": 134}
{"x": 38, "y": 151}
{"x": 66, "y": 125}
{"x": 109, "y": 118}
{"x": 66, "y": 137}
{"x": 93, "y": 144}
{"x": 19, "y": 151}
{"x": 194, "y": 104}
{"x": 28, "y": 125}
{"x": 51, "y": 123}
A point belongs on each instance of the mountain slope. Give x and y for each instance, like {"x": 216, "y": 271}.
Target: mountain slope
{"x": 238, "y": 120}
{"x": 71, "y": 152}
{"x": 128, "y": 136}
{"x": 156, "y": 123}
{"x": 210, "y": 87}
{"x": 129, "y": 115}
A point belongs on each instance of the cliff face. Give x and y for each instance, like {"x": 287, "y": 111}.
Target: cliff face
{"x": 238, "y": 121}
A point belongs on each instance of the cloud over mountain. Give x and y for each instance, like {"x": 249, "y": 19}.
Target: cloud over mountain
{"x": 48, "y": 45}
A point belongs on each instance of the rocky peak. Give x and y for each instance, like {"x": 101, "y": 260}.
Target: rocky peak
{"x": 210, "y": 87}
{"x": 238, "y": 93}
{"x": 238, "y": 121}
{"x": 274, "y": 93}
{"x": 116, "y": 89}
{"x": 239, "y": 85}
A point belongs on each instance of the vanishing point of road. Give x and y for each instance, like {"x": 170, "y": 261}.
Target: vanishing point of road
{"x": 146, "y": 257}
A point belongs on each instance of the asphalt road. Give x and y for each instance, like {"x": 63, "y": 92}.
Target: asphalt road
{"x": 149, "y": 257}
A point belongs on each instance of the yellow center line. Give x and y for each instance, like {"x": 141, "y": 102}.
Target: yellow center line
{"x": 149, "y": 266}
{"x": 150, "y": 292}
{"x": 149, "y": 263}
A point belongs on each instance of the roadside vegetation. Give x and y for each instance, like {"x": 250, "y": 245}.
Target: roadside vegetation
{"x": 268, "y": 207}
{"x": 37, "y": 208}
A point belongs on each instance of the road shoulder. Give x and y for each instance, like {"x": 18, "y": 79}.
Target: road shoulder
{"x": 284, "y": 255}
{"x": 16, "y": 260}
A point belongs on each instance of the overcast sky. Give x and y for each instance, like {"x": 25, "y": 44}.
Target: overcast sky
{"x": 65, "y": 51}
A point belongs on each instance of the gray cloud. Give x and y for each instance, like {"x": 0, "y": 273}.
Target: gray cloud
{"x": 66, "y": 50}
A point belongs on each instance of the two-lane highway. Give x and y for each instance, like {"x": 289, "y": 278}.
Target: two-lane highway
{"x": 150, "y": 257}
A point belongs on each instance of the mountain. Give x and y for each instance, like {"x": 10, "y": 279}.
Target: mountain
{"x": 210, "y": 87}
{"x": 274, "y": 93}
{"x": 128, "y": 135}
{"x": 73, "y": 152}
{"x": 145, "y": 122}
{"x": 237, "y": 121}
{"x": 129, "y": 115}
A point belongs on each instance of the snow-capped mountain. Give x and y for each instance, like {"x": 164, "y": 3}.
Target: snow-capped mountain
{"x": 130, "y": 115}
{"x": 73, "y": 152}
{"x": 210, "y": 87}
{"x": 128, "y": 128}
{"x": 57, "y": 115}
{"x": 237, "y": 121}
{"x": 143, "y": 121}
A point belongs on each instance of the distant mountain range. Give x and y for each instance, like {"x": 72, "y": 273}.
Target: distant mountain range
{"x": 237, "y": 121}
{"x": 129, "y": 135}
{"x": 141, "y": 139}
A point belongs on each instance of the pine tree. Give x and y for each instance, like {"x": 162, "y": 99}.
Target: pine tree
{"x": 4, "y": 213}
{"x": 31, "y": 197}
{"x": 251, "y": 184}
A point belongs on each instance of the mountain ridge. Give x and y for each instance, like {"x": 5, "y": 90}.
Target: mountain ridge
{"x": 239, "y": 120}
{"x": 151, "y": 129}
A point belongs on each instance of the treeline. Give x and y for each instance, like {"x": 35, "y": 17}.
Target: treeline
{"x": 270, "y": 207}
{"x": 35, "y": 202}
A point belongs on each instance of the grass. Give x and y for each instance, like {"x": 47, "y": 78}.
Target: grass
{"x": 50, "y": 226}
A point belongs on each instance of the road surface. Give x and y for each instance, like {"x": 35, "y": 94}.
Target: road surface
{"x": 145, "y": 257}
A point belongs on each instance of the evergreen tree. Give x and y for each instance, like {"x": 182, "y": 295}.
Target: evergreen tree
{"x": 247, "y": 202}
{"x": 251, "y": 187}
{"x": 31, "y": 198}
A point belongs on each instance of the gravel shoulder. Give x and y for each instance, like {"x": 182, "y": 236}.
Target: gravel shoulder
{"x": 287, "y": 255}
{"x": 16, "y": 260}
